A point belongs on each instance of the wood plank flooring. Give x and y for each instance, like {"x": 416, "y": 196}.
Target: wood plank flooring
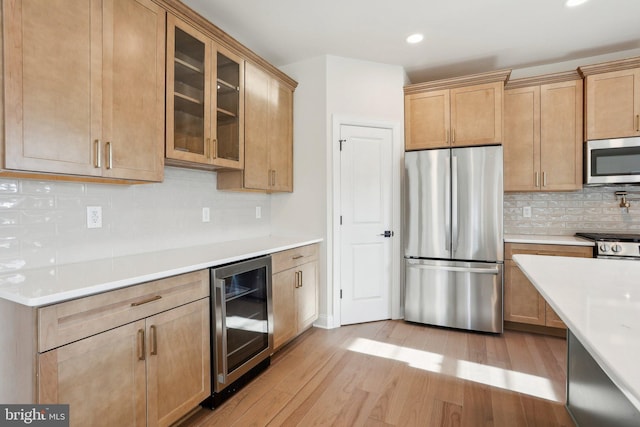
{"x": 394, "y": 373}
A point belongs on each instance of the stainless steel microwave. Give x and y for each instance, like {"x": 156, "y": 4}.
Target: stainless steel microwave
{"x": 612, "y": 161}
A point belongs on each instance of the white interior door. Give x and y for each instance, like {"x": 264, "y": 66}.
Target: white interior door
{"x": 366, "y": 166}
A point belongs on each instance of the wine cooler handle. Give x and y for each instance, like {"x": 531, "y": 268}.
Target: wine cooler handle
{"x": 221, "y": 327}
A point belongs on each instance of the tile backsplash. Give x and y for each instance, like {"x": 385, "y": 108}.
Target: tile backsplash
{"x": 593, "y": 209}
{"x": 44, "y": 223}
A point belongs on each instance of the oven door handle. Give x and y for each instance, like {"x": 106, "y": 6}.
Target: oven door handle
{"x": 221, "y": 336}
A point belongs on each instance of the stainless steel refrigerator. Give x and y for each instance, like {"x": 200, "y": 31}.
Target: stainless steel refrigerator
{"x": 453, "y": 238}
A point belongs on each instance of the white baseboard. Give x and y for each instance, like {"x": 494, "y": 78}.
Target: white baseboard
{"x": 325, "y": 322}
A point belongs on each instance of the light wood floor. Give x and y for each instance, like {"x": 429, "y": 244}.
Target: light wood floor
{"x": 393, "y": 373}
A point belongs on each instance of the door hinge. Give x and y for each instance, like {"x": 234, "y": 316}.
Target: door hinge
{"x": 340, "y": 293}
{"x": 341, "y": 141}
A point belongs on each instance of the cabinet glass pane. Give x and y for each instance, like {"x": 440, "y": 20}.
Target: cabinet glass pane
{"x": 228, "y": 111}
{"x": 189, "y": 93}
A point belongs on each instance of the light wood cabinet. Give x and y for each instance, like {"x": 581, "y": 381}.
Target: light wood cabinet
{"x": 523, "y": 304}
{"x": 268, "y": 136}
{"x": 543, "y": 133}
{"x": 205, "y": 100}
{"x": 151, "y": 371}
{"x": 612, "y": 99}
{"x": 295, "y": 292}
{"x": 92, "y": 105}
{"x": 455, "y": 112}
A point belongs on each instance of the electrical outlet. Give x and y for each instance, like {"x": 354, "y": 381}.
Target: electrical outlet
{"x": 94, "y": 216}
{"x": 258, "y": 212}
{"x": 206, "y": 215}
{"x": 526, "y": 211}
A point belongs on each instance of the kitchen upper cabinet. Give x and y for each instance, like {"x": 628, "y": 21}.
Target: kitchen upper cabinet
{"x": 84, "y": 88}
{"x": 523, "y": 304}
{"x": 612, "y": 99}
{"x": 455, "y": 112}
{"x": 268, "y": 136}
{"x": 205, "y": 97}
{"x": 543, "y": 133}
{"x": 138, "y": 356}
{"x": 295, "y": 292}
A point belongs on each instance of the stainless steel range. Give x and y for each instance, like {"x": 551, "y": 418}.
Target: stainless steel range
{"x": 614, "y": 246}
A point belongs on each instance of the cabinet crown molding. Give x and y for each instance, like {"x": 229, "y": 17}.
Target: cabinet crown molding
{"x": 605, "y": 67}
{"x": 543, "y": 80}
{"x": 455, "y": 82}
{"x": 187, "y": 14}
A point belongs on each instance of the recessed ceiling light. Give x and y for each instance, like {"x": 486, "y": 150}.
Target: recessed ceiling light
{"x": 574, "y": 3}
{"x": 415, "y": 38}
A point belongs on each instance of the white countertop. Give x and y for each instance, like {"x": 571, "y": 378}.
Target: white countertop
{"x": 54, "y": 284}
{"x": 599, "y": 300}
{"x": 547, "y": 240}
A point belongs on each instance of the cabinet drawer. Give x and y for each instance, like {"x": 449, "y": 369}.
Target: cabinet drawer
{"x": 293, "y": 257}
{"x": 69, "y": 321}
{"x": 511, "y": 249}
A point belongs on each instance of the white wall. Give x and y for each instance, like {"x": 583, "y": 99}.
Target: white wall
{"x": 332, "y": 87}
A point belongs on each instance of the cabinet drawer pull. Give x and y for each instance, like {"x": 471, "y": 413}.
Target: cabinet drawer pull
{"x": 215, "y": 148}
{"x": 453, "y": 135}
{"x": 638, "y": 122}
{"x": 544, "y": 179}
{"x": 154, "y": 341}
{"x": 537, "y": 178}
{"x": 447, "y": 141}
{"x": 98, "y": 162}
{"x": 109, "y": 156}
{"x": 135, "y": 304}
{"x": 298, "y": 256}
{"x": 141, "y": 349}
{"x": 300, "y": 278}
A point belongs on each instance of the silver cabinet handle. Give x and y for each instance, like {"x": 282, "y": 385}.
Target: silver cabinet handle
{"x": 492, "y": 270}
{"x": 98, "y": 154}
{"x": 110, "y": 156}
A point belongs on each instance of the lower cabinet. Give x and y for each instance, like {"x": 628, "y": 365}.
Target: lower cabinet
{"x": 295, "y": 292}
{"x": 523, "y": 304}
{"x": 148, "y": 372}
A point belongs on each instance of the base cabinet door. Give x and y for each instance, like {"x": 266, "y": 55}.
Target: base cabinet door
{"x": 294, "y": 293}
{"x": 178, "y": 365}
{"x": 522, "y": 302}
{"x": 102, "y": 378}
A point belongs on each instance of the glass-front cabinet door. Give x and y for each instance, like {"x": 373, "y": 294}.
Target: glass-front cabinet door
{"x": 204, "y": 101}
{"x": 229, "y": 108}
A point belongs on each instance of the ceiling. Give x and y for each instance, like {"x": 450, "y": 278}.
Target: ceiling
{"x": 461, "y": 36}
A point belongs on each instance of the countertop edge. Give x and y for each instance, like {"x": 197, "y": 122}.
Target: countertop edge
{"x": 547, "y": 240}
{"x": 261, "y": 246}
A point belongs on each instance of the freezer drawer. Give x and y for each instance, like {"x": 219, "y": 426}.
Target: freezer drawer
{"x": 464, "y": 295}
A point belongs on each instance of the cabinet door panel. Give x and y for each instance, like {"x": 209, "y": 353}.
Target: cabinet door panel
{"x": 102, "y": 378}
{"x": 284, "y": 307}
{"x": 256, "y": 156}
{"x": 51, "y": 119}
{"x": 427, "y": 120}
{"x": 133, "y": 89}
{"x": 612, "y": 104}
{"x": 553, "y": 320}
{"x": 179, "y": 373}
{"x": 307, "y": 295}
{"x": 476, "y": 114}
{"x": 280, "y": 137}
{"x": 521, "y": 138}
{"x": 561, "y": 135}
{"x": 522, "y": 302}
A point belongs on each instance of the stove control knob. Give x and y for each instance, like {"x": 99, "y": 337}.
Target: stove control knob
{"x": 604, "y": 247}
{"x": 616, "y": 248}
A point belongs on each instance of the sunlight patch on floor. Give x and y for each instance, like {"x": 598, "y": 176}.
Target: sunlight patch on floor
{"x": 490, "y": 375}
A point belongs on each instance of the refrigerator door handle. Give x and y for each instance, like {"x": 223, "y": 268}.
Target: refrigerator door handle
{"x": 447, "y": 204}
{"x": 454, "y": 204}
{"x": 474, "y": 270}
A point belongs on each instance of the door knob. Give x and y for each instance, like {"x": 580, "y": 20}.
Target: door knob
{"x": 387, "y": 233}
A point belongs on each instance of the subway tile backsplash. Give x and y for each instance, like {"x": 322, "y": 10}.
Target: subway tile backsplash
{"x": 44, "y": 223}
{"x": 565, "y": 213}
